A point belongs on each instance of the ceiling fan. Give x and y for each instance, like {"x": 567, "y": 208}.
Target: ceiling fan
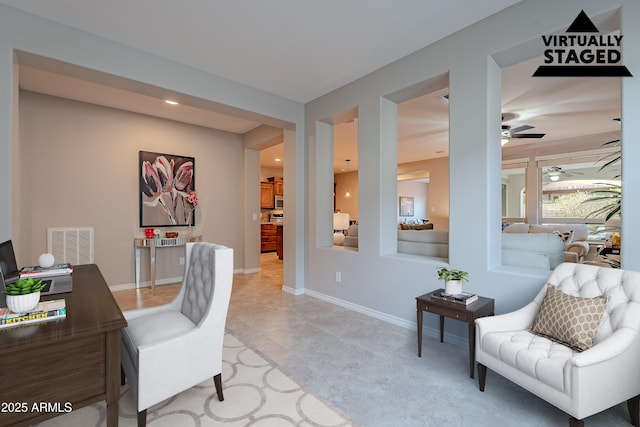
{"x": 555, "y": 172}
{"x": 507, "y": 133}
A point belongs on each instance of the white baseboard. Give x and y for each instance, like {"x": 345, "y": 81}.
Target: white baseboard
{"x": 147, "y": 284}
{"x": 394, "y": 320}
{"x": 293, "y": 291}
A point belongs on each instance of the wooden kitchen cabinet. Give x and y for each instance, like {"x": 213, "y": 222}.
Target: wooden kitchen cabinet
{"x": 278, "y": 185}
{"x": 266, "y": 195}
{"x": 280, "y": 241}
{"x": 268, "y": 237}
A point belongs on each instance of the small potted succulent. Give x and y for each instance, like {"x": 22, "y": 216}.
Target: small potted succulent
{"x": 23, "y": 295}
{"x": 453, "y": 280}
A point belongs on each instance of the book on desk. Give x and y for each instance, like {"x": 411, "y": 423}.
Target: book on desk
{"x": 54, "y": 270}
{"x": 464, "y": 298}
{"x": 45, "y": 311}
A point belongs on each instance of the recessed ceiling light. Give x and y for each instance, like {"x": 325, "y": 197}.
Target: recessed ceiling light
{"x": 170, "y": 102}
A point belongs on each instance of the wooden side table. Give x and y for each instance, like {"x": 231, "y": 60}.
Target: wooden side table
{"x": 466, "y": 313}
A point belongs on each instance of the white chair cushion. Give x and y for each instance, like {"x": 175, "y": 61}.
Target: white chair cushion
{"x": 154, "y": 328}
{"x": 536, "y": 356}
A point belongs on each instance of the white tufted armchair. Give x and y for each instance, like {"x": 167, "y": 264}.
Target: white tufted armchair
{"x": 580, "y": 383}
{"x": 171, "y": 348}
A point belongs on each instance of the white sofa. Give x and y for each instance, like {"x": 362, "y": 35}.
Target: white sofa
{"x": 575, "y": 250}
{"x": 429, "y": 243}
{"x": 530, "y": 250}
{"x": 580, "y": 383}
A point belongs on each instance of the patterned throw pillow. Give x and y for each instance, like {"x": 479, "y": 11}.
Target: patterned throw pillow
{"x": 569, "y": 320}
{"x": 566, "y": 237}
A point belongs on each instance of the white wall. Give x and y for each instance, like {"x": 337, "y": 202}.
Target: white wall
{"x": 377, "y": 280}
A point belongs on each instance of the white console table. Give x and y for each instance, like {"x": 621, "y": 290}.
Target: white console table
{"x": 152, "y": 244}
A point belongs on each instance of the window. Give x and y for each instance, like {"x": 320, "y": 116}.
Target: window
{"x": 513, "y": 192}
{"x": 569, "y": 186}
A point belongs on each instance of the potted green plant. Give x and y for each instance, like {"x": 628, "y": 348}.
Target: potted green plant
{"x": 23, "y": 295}
{"x": 453, "y": 279}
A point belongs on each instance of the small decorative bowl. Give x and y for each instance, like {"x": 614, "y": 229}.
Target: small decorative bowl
{"x": 171, "y": 234}
{"x": 23, "y": 303}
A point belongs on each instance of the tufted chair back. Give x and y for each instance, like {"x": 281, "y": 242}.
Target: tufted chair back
{"x": 199, "y": 284}
{"x": 587, "y": 281}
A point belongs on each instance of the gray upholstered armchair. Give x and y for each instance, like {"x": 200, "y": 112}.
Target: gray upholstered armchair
{"x": 171, "y": 348}
{"x": 592, "y": 362}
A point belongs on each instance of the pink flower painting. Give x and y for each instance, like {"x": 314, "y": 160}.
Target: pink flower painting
{"x": 167, "y": 190}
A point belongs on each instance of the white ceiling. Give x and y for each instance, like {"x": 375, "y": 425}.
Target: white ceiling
{"x": 291, "y": 48}
{"x": 297, "y": 49}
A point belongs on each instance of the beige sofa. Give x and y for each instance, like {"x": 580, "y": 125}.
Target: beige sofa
{"x": 576, "y": 248}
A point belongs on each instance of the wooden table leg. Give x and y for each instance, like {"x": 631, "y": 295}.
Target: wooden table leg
{"x": 112, "y": 373}
{"x": 441, "y": 328}
{"x": 419, "y": 333}
{"x": 472, "y": 347}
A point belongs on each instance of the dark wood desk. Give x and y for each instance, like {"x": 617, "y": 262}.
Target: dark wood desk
{"x": 466, "y": 313}
{"x": 50, "y": 368}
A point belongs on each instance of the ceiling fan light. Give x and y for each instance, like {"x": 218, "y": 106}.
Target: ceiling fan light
{"x": 505, "y": 136}
{"x": 554, "y": 178}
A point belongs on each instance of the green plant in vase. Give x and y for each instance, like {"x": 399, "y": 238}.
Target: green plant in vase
{"x": 23, "y": 295}
{"x": 453, "y": 279}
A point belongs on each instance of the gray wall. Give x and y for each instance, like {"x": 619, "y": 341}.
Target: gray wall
{"x": 82, "y": 163}
{"x": 375, "y": 279}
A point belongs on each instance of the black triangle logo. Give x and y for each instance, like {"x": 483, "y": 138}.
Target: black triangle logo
{"x": 582, "y": 24}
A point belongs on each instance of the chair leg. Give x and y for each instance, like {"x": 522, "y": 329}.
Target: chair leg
{"x": 218, "y": 382}
{"x": 482, "y": 376}
{"x": 634, "y": 405}
{"x": 142, "y": 418}
{"x": 573, "y": 422}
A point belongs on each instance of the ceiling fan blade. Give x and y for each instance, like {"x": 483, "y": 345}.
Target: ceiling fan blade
{"x": 521, "y": 129}
{"x": 528, "y": 135}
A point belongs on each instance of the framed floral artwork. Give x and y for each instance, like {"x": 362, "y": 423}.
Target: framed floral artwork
{"x": 406, "y": 206}
{"x": 167, "y": 190}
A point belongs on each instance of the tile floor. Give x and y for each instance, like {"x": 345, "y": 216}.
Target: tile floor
{"x": 370, "y": 370}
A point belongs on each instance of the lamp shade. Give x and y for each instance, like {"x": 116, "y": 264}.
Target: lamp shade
{"x": 340, "y": 221}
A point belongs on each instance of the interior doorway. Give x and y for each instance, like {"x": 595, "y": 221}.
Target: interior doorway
{"x": 272, "y": 213}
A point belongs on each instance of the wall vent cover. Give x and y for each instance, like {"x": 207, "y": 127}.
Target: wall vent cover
{"x": 71, "y": 244}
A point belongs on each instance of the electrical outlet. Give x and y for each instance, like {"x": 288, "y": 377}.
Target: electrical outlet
{"x": 338, "y": 277}
{"x": 181, "y": 260}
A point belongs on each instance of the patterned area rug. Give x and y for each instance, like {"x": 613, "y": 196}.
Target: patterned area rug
{"x": 256, "y": 393}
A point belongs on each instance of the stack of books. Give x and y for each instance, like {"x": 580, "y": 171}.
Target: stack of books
{"x": 44, "y": 312}
{"x": 54, "y": 270}
{"x": 464, "y": 298}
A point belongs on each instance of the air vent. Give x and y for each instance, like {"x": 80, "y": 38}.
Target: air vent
{"x": 71, "y": 244}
